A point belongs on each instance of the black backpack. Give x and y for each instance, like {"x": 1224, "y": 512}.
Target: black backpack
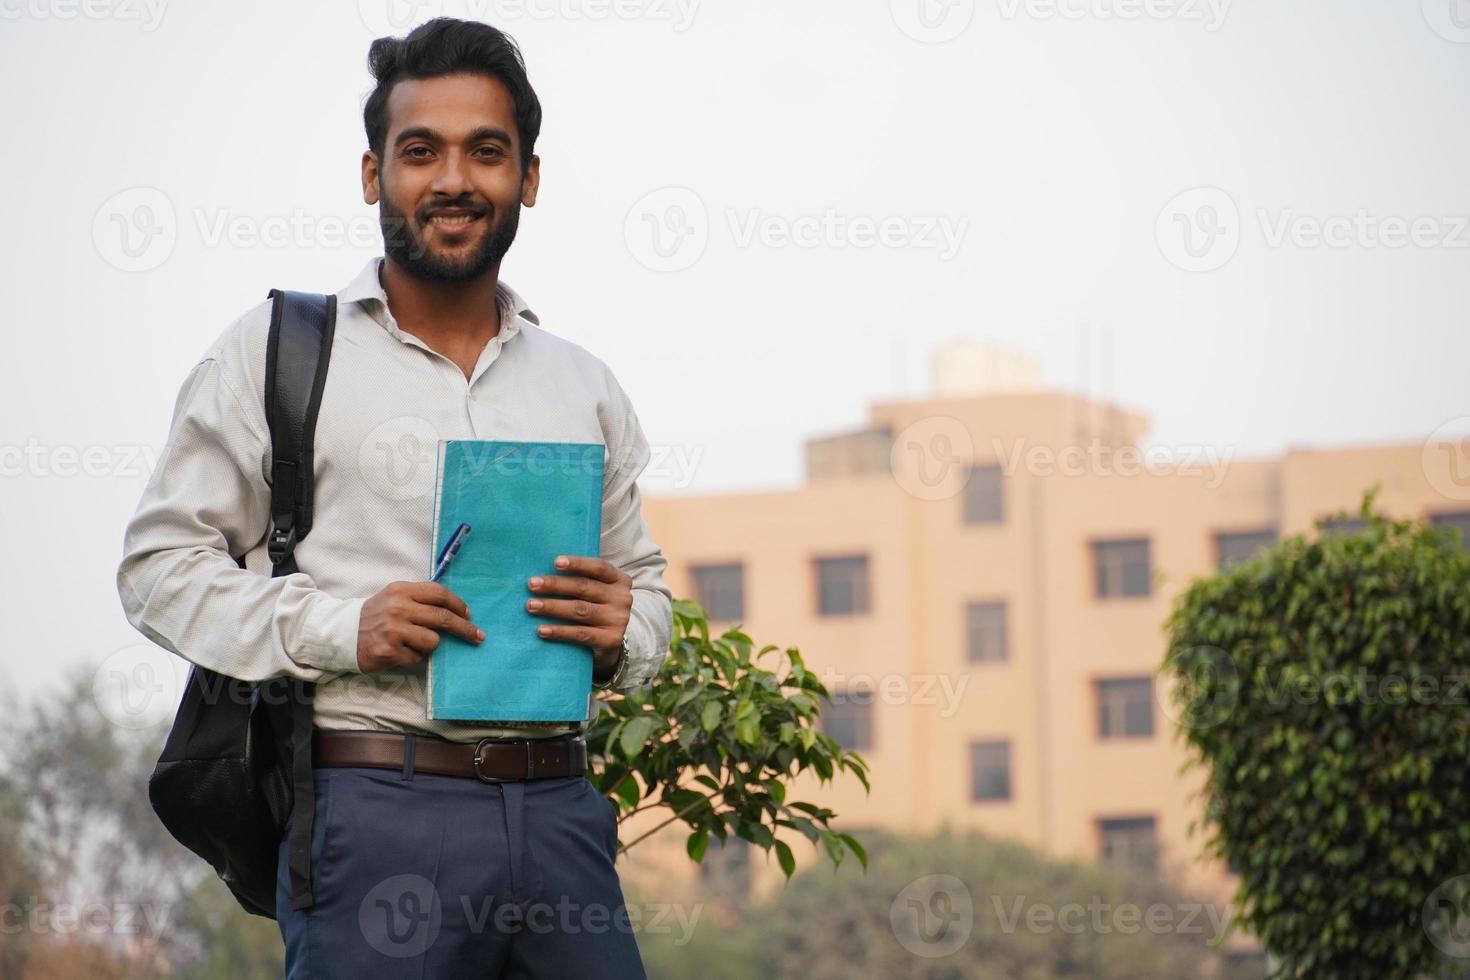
{"x": 238, "y": 758}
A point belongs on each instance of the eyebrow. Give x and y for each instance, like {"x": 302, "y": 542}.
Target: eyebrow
{"x": 479, "y": 135}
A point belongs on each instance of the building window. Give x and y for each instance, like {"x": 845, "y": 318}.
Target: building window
{"x": 1234, "y": 547}
{"x": 1343, "y": 525}
{"x": 1459, "y": 520}
{"x": 1121, "y": 568}
{"x": 984, "y": 496}
{"x": 725, "y": 870}
{"x": 1125, "y": 707}
{"x": 720, "y": 589}
{"x": 985, "y": 628}
{"x": 848, "y": 719}
{"x": 1129, "y": 843}
{"x": 842, "y": 586}
{"x": 990, "y": 771}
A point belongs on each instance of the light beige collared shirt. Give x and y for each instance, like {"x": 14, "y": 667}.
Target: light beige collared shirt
{"x": 388, "y": 400}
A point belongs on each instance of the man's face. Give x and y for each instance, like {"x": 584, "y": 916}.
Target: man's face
{"x": 449, "y": 185}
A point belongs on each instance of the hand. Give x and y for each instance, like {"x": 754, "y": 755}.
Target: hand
{"x": 397, "y": 626}
{"x": 601, "y": 604}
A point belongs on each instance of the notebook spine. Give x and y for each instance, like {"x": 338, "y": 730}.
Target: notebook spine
{"x": 433, "y": 555}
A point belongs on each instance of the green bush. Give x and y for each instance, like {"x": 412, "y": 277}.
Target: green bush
{"x": 1323, "y": 687}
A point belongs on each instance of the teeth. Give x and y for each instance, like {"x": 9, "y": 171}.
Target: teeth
{"x": 459, "y": 219}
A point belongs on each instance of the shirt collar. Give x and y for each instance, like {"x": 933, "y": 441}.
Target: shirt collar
{"x": 367, "y": 287}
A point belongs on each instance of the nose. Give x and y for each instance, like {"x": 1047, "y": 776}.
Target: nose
{"x": 452, "y": 177}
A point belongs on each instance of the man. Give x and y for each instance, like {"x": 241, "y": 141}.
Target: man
{"x": 419, "y": 869}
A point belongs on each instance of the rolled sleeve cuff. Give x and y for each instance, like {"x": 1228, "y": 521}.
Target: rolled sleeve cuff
{"x": 643, "y": 660}
{"x": 330, "y": 635}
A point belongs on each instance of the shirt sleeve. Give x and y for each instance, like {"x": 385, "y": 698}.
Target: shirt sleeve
{"x": 207, "y": 501}
{"x": 626, "y": 543}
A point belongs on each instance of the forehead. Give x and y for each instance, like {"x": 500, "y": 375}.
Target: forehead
{"x": 452, "y": 105}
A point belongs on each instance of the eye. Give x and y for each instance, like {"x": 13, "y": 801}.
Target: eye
{"x": 490, "y": 152}
{"x": 417, "y": 152}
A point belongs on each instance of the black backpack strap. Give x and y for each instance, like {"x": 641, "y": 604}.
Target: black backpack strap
{"x": 298, "y": 351}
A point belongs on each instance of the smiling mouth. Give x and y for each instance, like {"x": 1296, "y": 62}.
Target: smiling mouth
{"x": 453, "y": 221}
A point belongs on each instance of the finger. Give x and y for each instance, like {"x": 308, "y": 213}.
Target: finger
{"x": 437, "y": 594}
{"x": 418, "y": 639}
{"x": 442, "y": 619}
{"x": 576, "y": 610}
{"x": 587, "y": 636}
{"x": 572, "y": 586}
{"x": 598, "y": 568}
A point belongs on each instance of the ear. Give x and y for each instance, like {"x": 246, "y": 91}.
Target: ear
{"x": 369, "y": 177}
{"x": 531, "y": 182}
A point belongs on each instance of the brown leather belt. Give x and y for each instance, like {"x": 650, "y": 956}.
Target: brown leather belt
{"x": 490, "y": 760}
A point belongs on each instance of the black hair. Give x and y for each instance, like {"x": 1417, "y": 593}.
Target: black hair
{"x": 447, "y": 46}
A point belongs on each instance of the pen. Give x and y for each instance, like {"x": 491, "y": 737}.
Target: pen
{"x": 451, "y": 548}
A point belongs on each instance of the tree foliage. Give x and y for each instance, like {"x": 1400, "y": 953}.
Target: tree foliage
{"x": 715, "y": 739}
{"x": 1323, "y": 687}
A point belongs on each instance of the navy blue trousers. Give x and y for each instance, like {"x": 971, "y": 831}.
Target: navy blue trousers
{"x": 429, "y": 877}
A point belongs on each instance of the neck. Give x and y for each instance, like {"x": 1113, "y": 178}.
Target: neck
{"x": 464, "y": 311}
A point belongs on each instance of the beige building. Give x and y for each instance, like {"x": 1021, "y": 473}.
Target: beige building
{"x": 981, "y": 579}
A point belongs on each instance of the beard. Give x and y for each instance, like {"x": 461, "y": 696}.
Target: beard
{"x": 405, "y": 246}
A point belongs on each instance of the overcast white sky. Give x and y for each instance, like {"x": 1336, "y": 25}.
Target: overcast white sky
{"x": 1023, "y": 159}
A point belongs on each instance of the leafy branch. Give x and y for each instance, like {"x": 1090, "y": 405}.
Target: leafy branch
{"x": 716, "y": 738}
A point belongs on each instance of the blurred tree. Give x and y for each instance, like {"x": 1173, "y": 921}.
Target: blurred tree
{"x": 94, "y": 844}
{"x": 955, "y": 907}
{"x": 228, "y": 943}
{"x": 20, "y": 882}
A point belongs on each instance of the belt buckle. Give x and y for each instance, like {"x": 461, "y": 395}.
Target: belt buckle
{"x": 501, "y": 740}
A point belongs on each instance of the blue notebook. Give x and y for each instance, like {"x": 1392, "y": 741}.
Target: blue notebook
{"x": 526, "y": 503}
